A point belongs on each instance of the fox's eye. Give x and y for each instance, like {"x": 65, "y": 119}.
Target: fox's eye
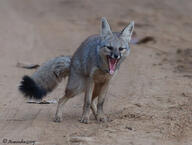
{"x": 110, "y": 48}
{"x": 121, "y": 49}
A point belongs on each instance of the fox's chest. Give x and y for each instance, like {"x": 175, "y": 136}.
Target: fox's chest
{"x": 101, "y": 77}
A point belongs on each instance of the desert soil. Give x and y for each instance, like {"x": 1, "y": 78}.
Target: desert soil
{"x": 149, "y": 102}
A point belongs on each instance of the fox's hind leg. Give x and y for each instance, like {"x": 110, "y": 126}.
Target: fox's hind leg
{"x": 61, "y": 103}
{"x": 75, "y": 86}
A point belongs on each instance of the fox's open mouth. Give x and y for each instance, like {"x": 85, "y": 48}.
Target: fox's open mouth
{"x": 112, "y": 62}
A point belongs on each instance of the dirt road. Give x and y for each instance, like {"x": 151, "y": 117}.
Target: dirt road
{"x": 149, "y": 102}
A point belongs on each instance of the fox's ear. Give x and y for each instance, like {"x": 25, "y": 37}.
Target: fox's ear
{"x": 127, "y": 32}
{"x": 105, "y": 28}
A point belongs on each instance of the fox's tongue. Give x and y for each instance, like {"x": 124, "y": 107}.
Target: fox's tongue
{"x": 112, "y": 65}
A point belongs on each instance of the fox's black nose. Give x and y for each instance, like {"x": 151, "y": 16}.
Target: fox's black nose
{"x": 116, "y": 56}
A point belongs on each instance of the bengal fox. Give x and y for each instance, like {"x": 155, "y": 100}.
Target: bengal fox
{"x": 89, "y": 70}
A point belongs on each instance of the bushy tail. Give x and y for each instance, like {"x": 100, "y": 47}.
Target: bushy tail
{"x": 31, "y": 90}
{"x": 46, "y": 78}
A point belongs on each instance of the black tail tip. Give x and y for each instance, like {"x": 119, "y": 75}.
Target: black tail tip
{"x": 30, "y": 89}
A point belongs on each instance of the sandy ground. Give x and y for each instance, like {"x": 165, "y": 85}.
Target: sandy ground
{"x": 150, "y": 100}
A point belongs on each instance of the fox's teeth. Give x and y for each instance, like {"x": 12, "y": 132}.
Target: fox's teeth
{"x": 111, "y": 72}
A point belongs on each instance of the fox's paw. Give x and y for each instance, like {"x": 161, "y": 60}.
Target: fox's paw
{"x": 101, "y": 118}
{"x": 57, "y": 119}
{"x": 84, "y": 119}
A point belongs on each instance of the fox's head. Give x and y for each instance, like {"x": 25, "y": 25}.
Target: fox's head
{"x": 115, "y": 46}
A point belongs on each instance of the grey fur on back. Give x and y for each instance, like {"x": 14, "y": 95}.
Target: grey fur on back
{"x": 52, "y": 72}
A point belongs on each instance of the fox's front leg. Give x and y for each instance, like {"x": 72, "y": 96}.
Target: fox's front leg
{"x": 101, "y": 99}
{"x": 87, "y": 100}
